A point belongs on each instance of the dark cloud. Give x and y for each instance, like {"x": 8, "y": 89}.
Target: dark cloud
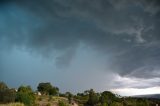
{"x": 126, "y": 30}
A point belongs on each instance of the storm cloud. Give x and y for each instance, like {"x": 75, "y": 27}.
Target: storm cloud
{"x": 126, "y": 31}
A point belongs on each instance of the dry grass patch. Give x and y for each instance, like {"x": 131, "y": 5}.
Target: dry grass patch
{"x": 12, "y": 104}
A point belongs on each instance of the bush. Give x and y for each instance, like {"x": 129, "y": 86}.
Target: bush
{"x": 25, "y": 95}
{"x": 93, "y": 98}
{"x": 27, "y": 99}
{"x": 48, "y": 104}
{"x": 61, "y": 103}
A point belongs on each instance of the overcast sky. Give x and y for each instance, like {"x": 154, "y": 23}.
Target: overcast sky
{"x": 81, "y": 44}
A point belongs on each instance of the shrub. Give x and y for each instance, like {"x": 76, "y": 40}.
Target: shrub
{"x": 61, "y": 103}
{"x": 25, "y": 95}
{"x": 27, "y": 99}
{"x": 48, "y": 104}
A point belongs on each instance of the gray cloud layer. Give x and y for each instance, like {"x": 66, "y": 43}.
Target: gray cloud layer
{"x": 127, "y": 30}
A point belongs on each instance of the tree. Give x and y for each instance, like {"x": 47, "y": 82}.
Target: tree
{"x": 44, "y": 88}
{"x": 47, "y": 88}
{"x": 3, "y": 86}
{"x": 86, "y": 92}
{"x": 69, "y": 95}
{"x": 93, "y": 98}
{"x": 6, "y": 95}
{"x": 107, "y": 98}
{"x": 53, "y": 91}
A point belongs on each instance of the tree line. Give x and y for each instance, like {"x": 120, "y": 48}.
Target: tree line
{"x": 26, "y": 95}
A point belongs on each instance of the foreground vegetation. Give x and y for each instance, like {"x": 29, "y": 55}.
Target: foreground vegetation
{"x": 48, "y": 95}
{"x": 12, "y": 104}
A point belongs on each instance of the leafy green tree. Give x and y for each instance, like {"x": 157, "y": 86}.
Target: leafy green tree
{"x": 81, "y": 98}
{"x": 3, "y": 86}
{"x": 44, "y": 88}
{"x": 86, "y": 92}
{"x": 80, "y": 94}
{"x": 93, "y": 98}
{"x": 53, "y": 91}
{"x": 70, "y": 98}
{"x": 6, "y": 95}
{"x": 3, "y": 89}
{"x": 107, "y": 97}
{"x": 69, "y": 95}
{"x": 47, "y": 88}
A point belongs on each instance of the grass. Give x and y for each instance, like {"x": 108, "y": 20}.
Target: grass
{"x": 12, "y": 104}
{"x": 46, "y": 100}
